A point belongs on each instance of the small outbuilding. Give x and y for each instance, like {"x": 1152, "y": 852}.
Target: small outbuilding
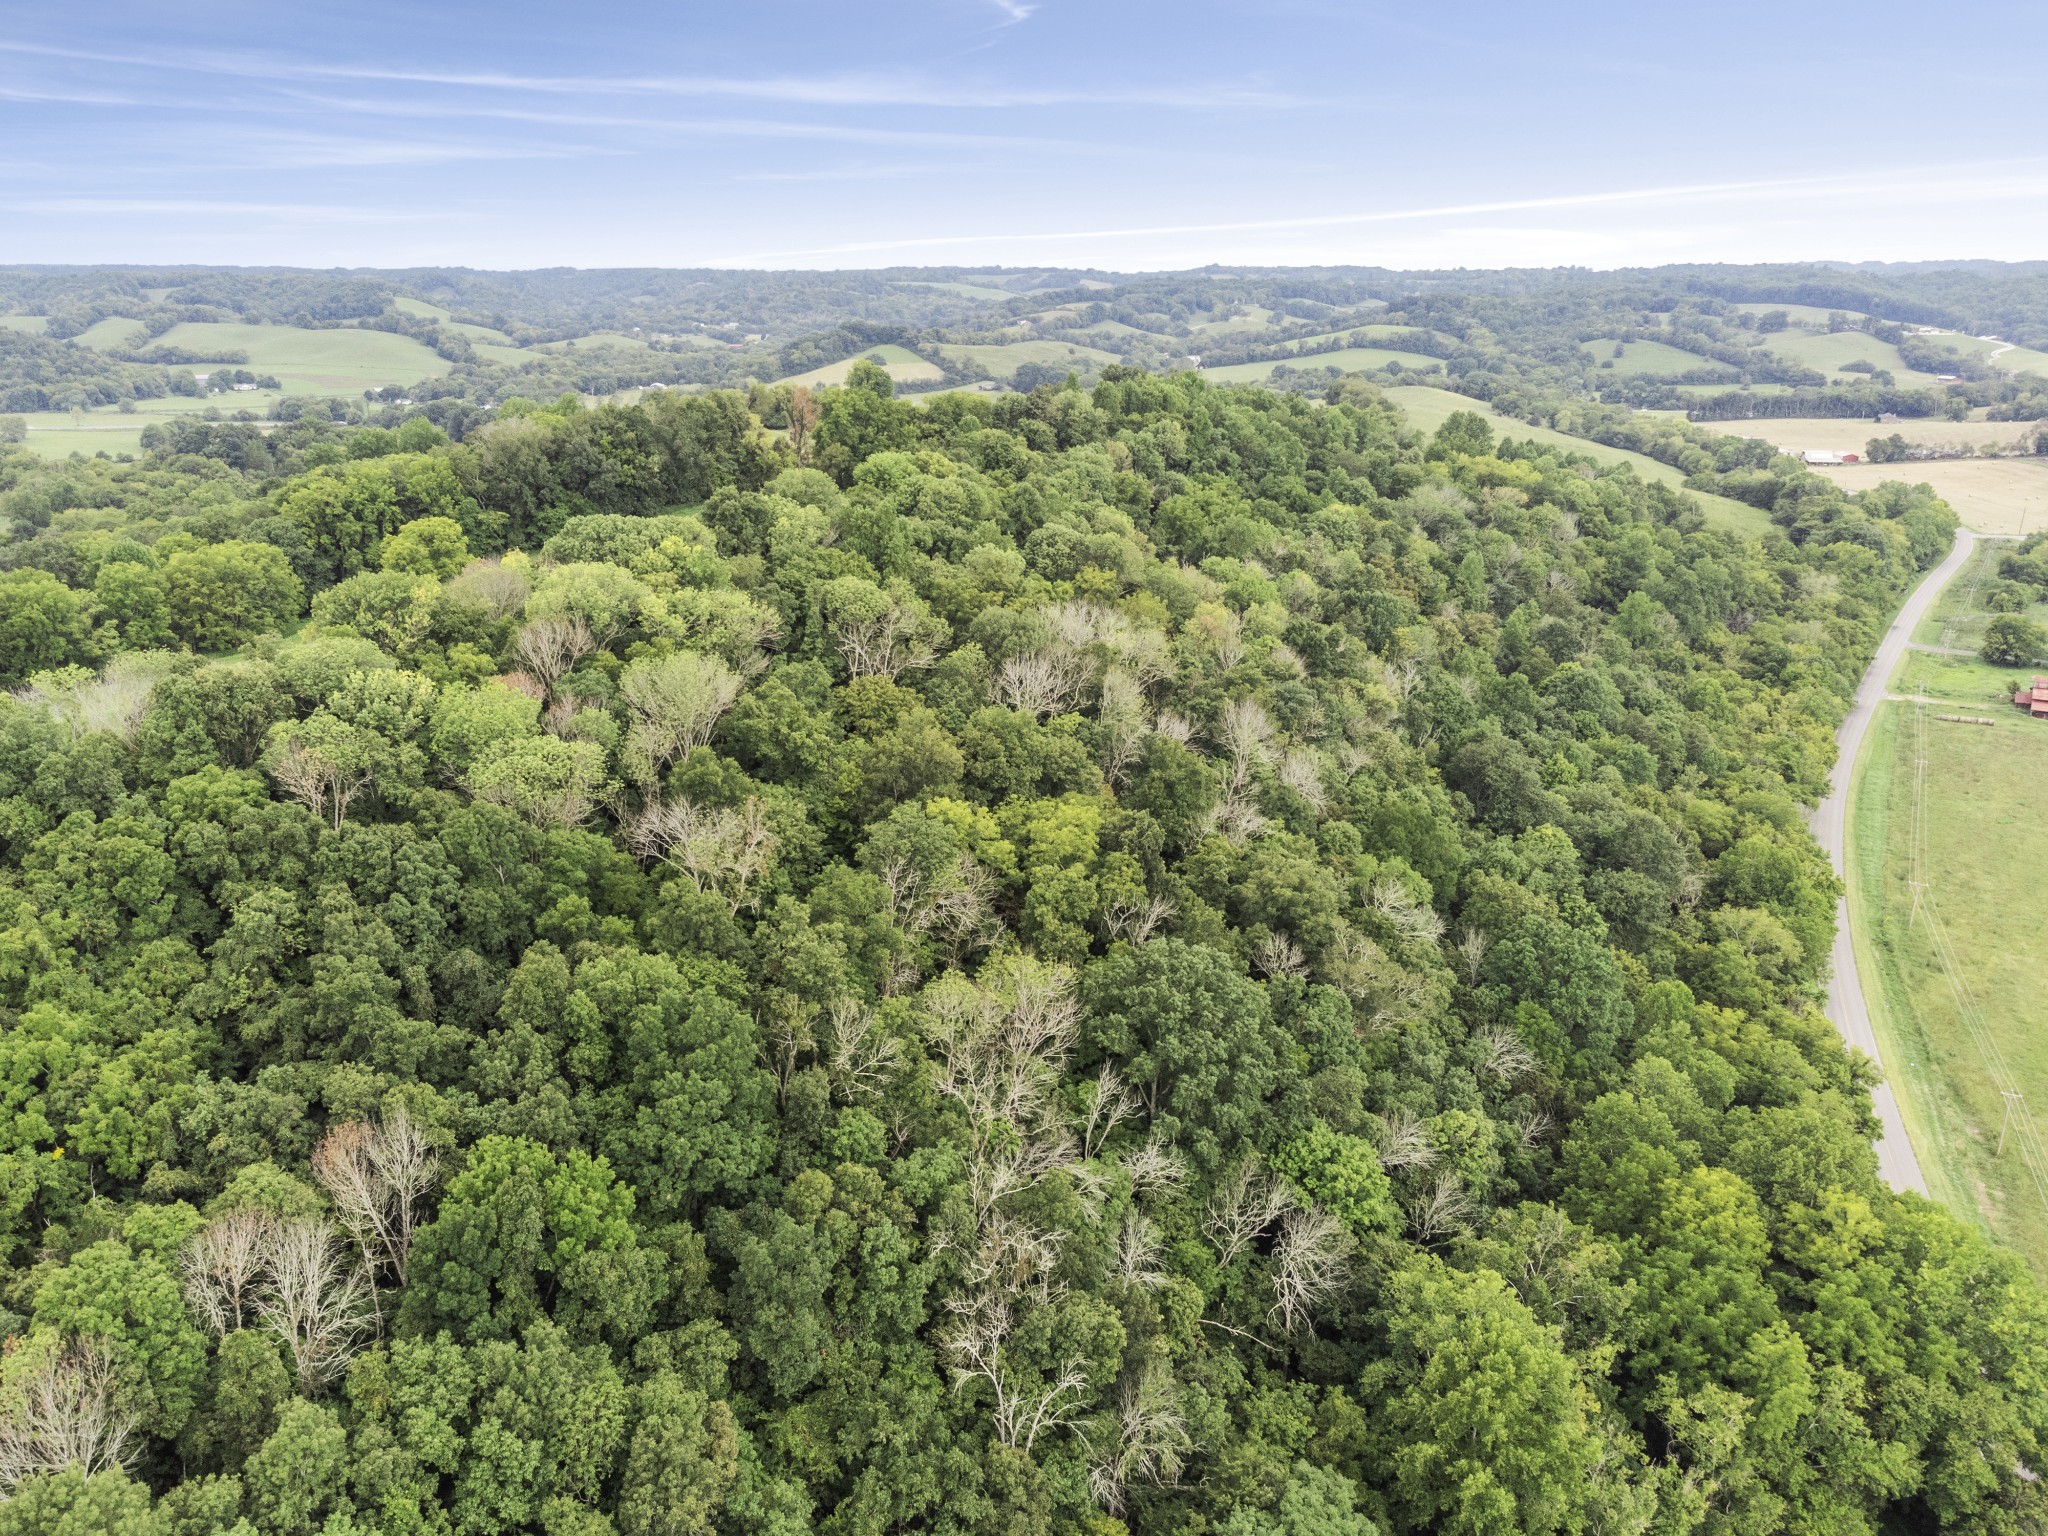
{"x": 2033, "y": 699}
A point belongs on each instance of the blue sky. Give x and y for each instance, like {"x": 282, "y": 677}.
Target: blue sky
{"x": 1131, "y": 134}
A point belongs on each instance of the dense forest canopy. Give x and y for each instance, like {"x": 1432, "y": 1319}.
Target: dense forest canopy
{"x": 1154, "y": 958}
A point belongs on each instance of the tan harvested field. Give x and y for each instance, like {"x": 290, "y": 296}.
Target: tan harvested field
{"x": 1851, "y": 434}
{"x": 2002, "y": 496}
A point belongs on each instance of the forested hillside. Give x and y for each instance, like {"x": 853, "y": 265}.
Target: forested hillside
{"x": 1160, "y": 959}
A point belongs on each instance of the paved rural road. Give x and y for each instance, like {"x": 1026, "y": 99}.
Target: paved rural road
{"x": 1848, "y": 1010}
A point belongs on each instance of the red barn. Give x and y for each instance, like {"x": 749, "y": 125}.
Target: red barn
{"x": 2034, "y": 699}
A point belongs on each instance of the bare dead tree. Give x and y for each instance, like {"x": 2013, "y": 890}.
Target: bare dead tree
{"x": 1136, "y": 921}
{"x": 1505, "y": 1055}
{"x": 314, "y": 1299}
{"x": 677, "y": 702}
{"x": 1472, "y": 947}
{"x": 1137, "y": 1252}
{"x": 860, "y": 1056}
{"x": 1411, "y": 919}
{"x": 1404, "y": 1140}
{"x": 1155, "y": 1169}
{"x": 66, "y": 1412}
{"x": 886, "y": 644}
{"x": 956, "y": 906}
{"x": 1311, "y": 1259}
{"x": 319, "y": 781}
{"x": 377, "y": 1175}
{"x": 1046, "y": 682}
{"x": 550, "y": 648}
{"x": 1302, "y": 771}
{"x": 1224, "y": 630}
{"x": 1442, "y": 1211}
{"x": 1243, "y": 1208}
{"x": 221, "y": 1266}
{"x": 1535, "y": 1129}
{"x": 786, "y": 1037}
{"x": 1148, "y": 1439}
{"x": 114, "y": 701}
{"x": 1024, "y": 1407}
{"x": 1174, "y": 727}
{"x": 721, "y": 849}
{"x": 1278, "y": 955}
{"x": 1110, "y": 1103}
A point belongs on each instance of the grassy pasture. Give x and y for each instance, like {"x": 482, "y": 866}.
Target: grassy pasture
{"x": 1998, "y": 354}
{"x": 1798, "y": 314}
{"x": 116, "y": 333}
{"x": 33, "y": 325}
{"x": 315, "y": 362}
{"x": 1003, "y": 359}
{"x": 964, "y": 290}
{"x": 900, "y": 363}
{"x": 1648, "y": 359}
{"x": 1828, "y": 350}
{"x": 1350, "y": 359}
{"x": 1698, "y": 390}
{"x": 1255, "y": 318}
{"x": 1981, "y": 789}
{"x": 1427, "y": 408}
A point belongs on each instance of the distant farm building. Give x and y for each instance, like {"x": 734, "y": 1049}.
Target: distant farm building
{"x": 2034, "y": 699}
{"x": 1826, "y": 456}
{"x": 1887, "y": 418}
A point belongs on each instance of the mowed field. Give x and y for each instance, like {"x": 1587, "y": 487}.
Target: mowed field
{"x": 1829, "y": 350}
{"x": 1427, "y": 409}
{"x": 33, "y": 325}
{"x": 1348, "y": 359}
{"x": 1650, "y": 359}
{"x": 314, "y": 362}
{"x": 1958, "y": 1002}
{"x": 900, "y": 363}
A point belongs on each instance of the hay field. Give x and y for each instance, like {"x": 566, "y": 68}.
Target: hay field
{"x": 2001, "y": 496}
{"x": 33, "y": 325}
{"x": 314, "y": 362}
{"x": 1851, "y": 434}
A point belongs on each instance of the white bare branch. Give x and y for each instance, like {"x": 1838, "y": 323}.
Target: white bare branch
{"x": 67, "y": 1412}
{"x": 1311, "y": 1259}
{"x": 221, "y": 1266}
{"x": 314, "y": 1299}
{"x": 550, "y": 648}
{"x": 1047, "y": 682}
{"x": 1243, "y": 1208}
{"x": 1149, "y": 1439}
{"x": 721, "y": 849}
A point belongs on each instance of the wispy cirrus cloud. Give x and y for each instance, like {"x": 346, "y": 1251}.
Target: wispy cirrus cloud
{"x": 823, "y": 90}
